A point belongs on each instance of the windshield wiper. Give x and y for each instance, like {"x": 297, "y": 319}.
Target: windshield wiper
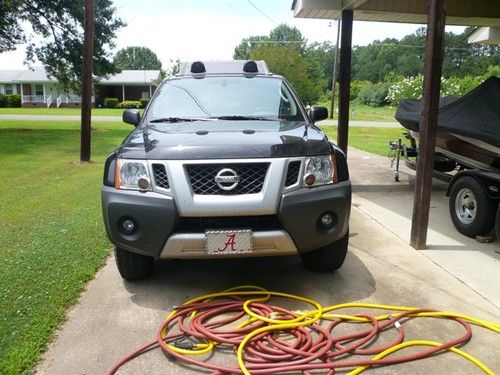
{"x": 243, "y": 118}
{"x": 180, "y": 119}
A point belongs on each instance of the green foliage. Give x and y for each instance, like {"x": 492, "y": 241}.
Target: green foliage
{"x": 374, "y": 94}
{"x": 127, "y": 104}
{"x": 110, "y": 102}
{"x": 320, "y": 56}
{"x": 3, "y": 101}
{"x": 53, "y": 31}
{"x": 51, "y": 246}
{"x": 280, "y": 35}
{"x": 405, "y": 57}
{"x": 288, "y": 62}
{"x": 144, "y": 102}
{"x": 356, "y": 87}
{"x": 492, "y": 71}
{"x": 14, "y": 101}
{"x": 136, "y": 58}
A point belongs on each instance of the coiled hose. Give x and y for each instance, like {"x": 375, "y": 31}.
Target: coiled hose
{"x": 243, "y": 319}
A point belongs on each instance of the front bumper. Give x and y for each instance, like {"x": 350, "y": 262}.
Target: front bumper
{"x": 156, "y": 216}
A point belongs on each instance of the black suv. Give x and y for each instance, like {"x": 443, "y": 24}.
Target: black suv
{"x": 226, "y": 162}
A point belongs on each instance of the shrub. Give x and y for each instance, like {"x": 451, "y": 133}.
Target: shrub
{"x": 411, "y": 87}
{"x": 110, "y": 102}
{"x": 356, "y": 87}
{"x": 144, "y": 102}
{"x": 14, "y": 101}
{"x": 3, "y": 101}
{"x": 129, "y": 104}
{"x": 406, "y": 88}
{"x": 374, "y": 94}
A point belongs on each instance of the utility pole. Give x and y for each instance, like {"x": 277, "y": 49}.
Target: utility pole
{"x": 88, "y": 54}
{"x": 334, "y": 75}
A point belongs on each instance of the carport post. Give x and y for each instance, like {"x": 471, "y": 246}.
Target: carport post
{"x": 88, "y": 48}
{"x": 436, "y": 19}
{"x": 345, "y": 79}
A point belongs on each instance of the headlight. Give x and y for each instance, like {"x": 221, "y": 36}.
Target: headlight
{"x": 132, "y": 175}
{"x": 319, "y": 170}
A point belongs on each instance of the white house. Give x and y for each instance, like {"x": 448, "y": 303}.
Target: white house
{"x": 39, "y": 90}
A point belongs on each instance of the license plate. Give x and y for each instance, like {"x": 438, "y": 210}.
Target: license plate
{"x": 221, "y": 242}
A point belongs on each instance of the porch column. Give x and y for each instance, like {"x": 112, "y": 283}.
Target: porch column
{"x": 123, "y": 93}
{"x": 22, "y": 93}
{"x": 436, "y": 19}
{"x": 345, "y": 79}
{"x": 150, "y": 91}
{"x": 44, "y": 99}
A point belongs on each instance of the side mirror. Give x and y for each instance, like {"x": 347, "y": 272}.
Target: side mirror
{"x": 131, "y": 116}
{"x": 318, "y": 114}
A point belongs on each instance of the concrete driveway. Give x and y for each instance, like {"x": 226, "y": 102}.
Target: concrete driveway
{"x": 113, "y": 317}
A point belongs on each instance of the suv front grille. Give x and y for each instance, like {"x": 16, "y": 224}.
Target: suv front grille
{"x": 200, "y": 224}
{"x": 202, "y": 178}
{"x": 160, "y": 176}
{"x": 293, "y": 173}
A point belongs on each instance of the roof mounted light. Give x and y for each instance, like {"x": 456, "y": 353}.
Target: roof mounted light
{"x": 198, "y": 67}
{"x": 250, "y": 67}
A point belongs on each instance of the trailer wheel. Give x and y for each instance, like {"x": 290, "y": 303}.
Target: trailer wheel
{"x": 471, "y": 210}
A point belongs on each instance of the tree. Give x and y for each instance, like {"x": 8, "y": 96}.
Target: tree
{"x": 280, "y": 35}
{"x": 60, "y": 23}
{"x": 242, "y": 50}
{"x": 136, "y": 58}
{"x": 288, "y": 62}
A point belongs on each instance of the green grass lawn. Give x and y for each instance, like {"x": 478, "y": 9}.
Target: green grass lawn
{"x": 370, "y": 139}
{"x": 60, "y": 111}
{"x": 361, "y": 112}
{"x": 358, "y": 112}
{"x": 52, "y": 239}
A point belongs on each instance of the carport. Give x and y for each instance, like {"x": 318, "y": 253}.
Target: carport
{"x": 436, "y": 13}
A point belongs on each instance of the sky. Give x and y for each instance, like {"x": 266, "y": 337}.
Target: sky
{"x": 210, "y": 29}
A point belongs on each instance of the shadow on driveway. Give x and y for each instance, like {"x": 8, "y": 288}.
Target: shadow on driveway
{"x": 184, "y": 279}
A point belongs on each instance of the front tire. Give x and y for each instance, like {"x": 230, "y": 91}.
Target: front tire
{"x": 327, "y": 258}
{"x": 133, "y": 266}
{"x": 471, "y": 210}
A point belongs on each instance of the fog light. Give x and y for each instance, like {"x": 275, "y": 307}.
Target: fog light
{"x": 143, "y": 183}
{"x": 326, "y": 220}
{"x": 128, "y": 226}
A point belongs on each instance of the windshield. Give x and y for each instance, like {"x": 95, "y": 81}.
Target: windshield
{"x": 236, "y": 98}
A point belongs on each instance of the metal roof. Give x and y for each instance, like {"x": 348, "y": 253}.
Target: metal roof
{"x": 38, "y": 75}
{"x": 458, "y": 12}
{"x": 224, "y": 67}
{"x": 131, "y": 77}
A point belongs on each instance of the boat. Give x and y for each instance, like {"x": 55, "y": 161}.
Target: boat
{"x": 468, "y": 129}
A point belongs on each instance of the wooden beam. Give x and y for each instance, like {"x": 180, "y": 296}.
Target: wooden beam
{"x": 436, "y": 21}
{"x": 345, "y": 79}
{"x": 334, "y": 75}
{"x": 88, "y": 47}
{"x": 352, "y": 4}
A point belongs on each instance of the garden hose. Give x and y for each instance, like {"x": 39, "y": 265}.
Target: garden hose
{"x": 270, "y": 339}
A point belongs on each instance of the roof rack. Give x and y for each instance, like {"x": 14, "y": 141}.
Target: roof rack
{"x": 247, "y": 67}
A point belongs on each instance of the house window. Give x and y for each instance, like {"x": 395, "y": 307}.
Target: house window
{"x": 39, "y": 90}
{"x": 9, "y": 89}
{"x": 145, "y": 95}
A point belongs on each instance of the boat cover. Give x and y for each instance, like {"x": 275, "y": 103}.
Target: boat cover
{"x": 475, "y": 115}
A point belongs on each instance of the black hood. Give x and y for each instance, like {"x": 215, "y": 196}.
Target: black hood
{"x": 223, "y": 139}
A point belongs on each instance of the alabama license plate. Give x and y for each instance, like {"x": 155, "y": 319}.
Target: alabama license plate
{"x": 222, "y": 242}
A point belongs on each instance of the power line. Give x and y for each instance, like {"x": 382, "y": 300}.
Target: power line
{"x": 261, "y": 12}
